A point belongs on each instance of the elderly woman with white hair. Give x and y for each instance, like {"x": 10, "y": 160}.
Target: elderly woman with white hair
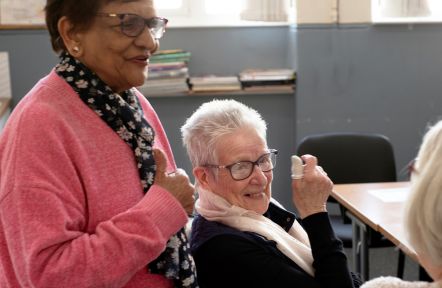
{"x": 241, "y": 237}
{"x": 423, "y": 213}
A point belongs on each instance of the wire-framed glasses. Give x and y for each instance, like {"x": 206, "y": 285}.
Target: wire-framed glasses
{"x": 132, "y": 25}
{"x": 243, "y": 169}
{"x": 411, "y": 167}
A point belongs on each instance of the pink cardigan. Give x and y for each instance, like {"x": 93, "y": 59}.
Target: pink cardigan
{"x": 72, "y": 211}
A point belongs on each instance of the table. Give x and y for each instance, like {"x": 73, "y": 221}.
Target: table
{"x": 379, "y": 206}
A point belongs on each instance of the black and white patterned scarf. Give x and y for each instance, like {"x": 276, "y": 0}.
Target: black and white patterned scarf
{"x": 123, "y": 113}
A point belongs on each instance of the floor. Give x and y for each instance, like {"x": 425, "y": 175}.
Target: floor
{"x": 383, "y": 262}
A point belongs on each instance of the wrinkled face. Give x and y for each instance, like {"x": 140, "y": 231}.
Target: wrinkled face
{"x": 252, "y": 193}
{"x": 119, "y": 60}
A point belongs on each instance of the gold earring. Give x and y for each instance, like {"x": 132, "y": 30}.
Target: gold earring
{"x": 76, "y": 49}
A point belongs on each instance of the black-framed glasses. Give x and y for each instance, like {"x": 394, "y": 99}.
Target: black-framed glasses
{"x": 243, "y": 169}
{"x": 132, "y": 25}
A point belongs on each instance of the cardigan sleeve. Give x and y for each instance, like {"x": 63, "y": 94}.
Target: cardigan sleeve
{"x": 330, "y": 261}
{"x": 70, "y": 217}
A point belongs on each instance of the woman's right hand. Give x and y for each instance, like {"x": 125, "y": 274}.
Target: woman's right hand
{"x": 310, "y": 193}
{"x": 177, "y": 182}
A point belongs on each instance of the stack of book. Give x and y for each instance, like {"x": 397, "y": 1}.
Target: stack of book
{"x": 212, "y": 83}
{"x": 268, "y": 79}
{"x": 167, "y": 73}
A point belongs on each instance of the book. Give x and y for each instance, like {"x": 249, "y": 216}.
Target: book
{"x": 214, "y": 83}
{"x": 177, "y": 56}
{"x": 266, "y": 74}
{"x": 170, "y": 73}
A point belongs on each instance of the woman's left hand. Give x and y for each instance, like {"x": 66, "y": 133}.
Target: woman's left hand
{"x": 177, "y": 183}
{"x": 310, "y": 193}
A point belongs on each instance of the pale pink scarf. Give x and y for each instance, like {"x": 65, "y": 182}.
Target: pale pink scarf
{"x": 294, "y": 243}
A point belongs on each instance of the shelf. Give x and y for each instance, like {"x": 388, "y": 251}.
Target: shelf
{"x": 223, "y": 93}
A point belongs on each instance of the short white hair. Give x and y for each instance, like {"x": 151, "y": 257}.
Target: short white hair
{"x": 213, "y": 120}
{"x": 423, "y": 216}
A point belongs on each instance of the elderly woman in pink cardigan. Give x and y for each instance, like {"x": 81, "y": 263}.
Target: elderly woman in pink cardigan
{"x": 90, "y": 195}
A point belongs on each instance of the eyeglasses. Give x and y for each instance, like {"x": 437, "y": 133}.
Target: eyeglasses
{"x": 243, "y": 169}
{"x": 409, "y": 168}
{"x": 412, "y": 167}
{"x": 132, "y": 25}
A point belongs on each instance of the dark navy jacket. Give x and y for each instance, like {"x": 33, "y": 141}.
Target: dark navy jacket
{"x": 226, "y": 257}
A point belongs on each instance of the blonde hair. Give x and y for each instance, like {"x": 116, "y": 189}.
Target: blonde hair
{"x": 211, "y": 121}
{"x": 423, "y": 216}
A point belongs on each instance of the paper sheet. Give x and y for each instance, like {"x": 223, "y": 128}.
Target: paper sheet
{"x": 5, "y": 80}
{"x": 391, "y": 194}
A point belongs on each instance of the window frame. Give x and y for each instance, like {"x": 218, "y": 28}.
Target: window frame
{"x": 193, "y": 14}
{"x": 376, "y": 18}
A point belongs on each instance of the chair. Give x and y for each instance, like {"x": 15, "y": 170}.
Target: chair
{"x": 354, "y": 158}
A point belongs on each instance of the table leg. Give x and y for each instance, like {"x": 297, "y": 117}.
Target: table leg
{"x": 423, "y": 275}
{"x": 360, "y": 247}
{"x": 356, "y": 247}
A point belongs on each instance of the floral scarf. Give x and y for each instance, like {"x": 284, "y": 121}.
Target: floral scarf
{"x": 123, "y": 113}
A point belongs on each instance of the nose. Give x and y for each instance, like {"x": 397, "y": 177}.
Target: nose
{"x": 147, "y": 41}
{"x": 258, "y": 176}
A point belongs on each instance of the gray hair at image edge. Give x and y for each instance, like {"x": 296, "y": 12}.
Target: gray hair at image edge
{"x": 211, "y": 121}
{"x": 423, "y": 213}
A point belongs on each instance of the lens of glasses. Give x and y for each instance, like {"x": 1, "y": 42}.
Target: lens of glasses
{"x": 241, "y": 170}
{"x": 266, "y": 162}
{"x": 133, "y": 25}
{"x": 244, "y": 169}
{"x": 157, "y": 27}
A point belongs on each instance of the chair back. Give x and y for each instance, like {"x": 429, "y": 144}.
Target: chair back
{"x": 352, "y": 157}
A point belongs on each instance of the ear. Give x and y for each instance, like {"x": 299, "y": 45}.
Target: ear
{"x": 70, "y": 37}
{"x": 202, "y": 176}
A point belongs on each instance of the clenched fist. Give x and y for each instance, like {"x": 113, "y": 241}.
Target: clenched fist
{"x": 177, "y": 183}
{"x": 310, "y": 193}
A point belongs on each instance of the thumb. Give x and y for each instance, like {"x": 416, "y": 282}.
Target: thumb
{"x": 160, "y": 161}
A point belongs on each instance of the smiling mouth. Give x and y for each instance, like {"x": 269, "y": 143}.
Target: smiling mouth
{"x": 141, "y": 59}
{"x": 255, "y": 195}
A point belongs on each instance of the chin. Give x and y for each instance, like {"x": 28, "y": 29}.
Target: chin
{"x": 262, "y": 208}
{"x": 138, "y": 82}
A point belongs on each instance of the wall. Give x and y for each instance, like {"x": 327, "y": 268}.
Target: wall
{"x": 30, "y": 58}
{"x": 382, "y": 79}
{"x": 214, "y": 51}
{"x": 220, "y": 51}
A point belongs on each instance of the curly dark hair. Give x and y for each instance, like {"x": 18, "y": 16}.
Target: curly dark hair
{"x": 80, "y": 12}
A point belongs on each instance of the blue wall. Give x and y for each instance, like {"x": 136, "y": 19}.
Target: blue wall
{"x": 218, "y": 51}
{"x": 384, "y": 79}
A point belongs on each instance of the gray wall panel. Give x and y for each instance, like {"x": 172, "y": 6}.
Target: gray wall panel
{"x": 383, "y": 79}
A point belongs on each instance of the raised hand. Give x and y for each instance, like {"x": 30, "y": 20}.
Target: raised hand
{"x": 177, "y": 183}
{"x": 310, "y": 193}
